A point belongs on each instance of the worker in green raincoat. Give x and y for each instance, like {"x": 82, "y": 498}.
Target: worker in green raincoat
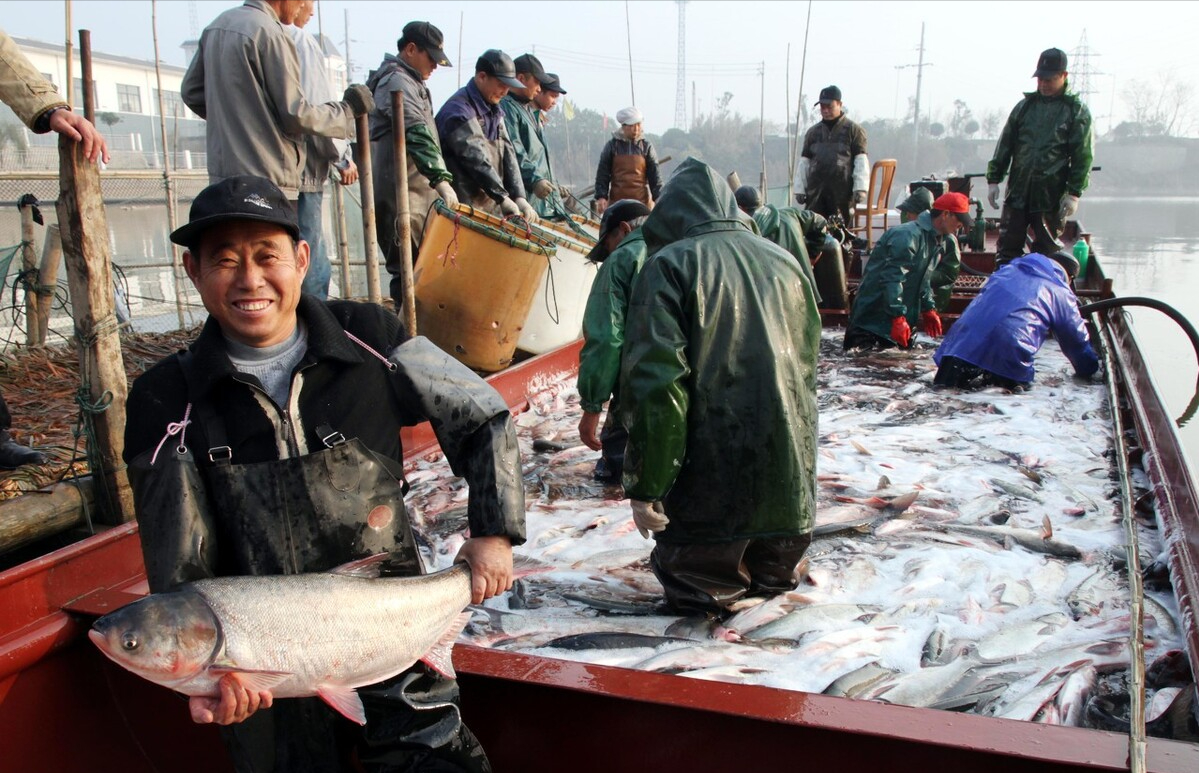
{"x": 948, "y": 263}
{"x": 896, "y": 292}
{"x": 718, "y": 392}
{"x": 1047, "y": 144}
{"x": 800, "y": 232}
{"x": 524, "y": 129}
{"x": 620, "y": 252}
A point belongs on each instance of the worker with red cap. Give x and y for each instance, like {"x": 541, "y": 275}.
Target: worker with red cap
{"x": 895, "y": 294}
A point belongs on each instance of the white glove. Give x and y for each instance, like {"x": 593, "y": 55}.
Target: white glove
{"x": 543, "y": 188}
{"x": 1068, "y": 206}
{"x": 859, "y": 197}
{"x": 649, "y": 516}
{"x": 446, "y": 192}
{"x": 993, "y": 195}
{"x": 508, "y": 207}
{"x": 526, "y": 210}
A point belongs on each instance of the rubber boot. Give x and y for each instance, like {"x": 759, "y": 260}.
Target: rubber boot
{"x": 13, "y": 454}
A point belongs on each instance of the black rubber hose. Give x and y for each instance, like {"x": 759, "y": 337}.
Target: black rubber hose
{"x": 1169, "y": 311}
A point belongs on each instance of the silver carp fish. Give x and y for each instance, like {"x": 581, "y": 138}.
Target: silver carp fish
{"x": 300, "y": 635}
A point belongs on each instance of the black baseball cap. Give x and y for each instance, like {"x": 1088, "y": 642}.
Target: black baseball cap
{"x": 527, "y": 63}
{"x": 829, "y": 94}
{"x": 499, "y": 65}
{"x": 620, "y": 212}
{"x": 1052, "y": 62}
{"x": 427, "y": 37}
{"x": 243, "y": 197}
{"x": 553, "y": 84}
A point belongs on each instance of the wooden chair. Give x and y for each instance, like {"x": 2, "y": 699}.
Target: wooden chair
{"x": 878, "y": 200}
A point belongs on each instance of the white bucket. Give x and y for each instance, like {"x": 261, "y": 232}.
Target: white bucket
{"x": 556, "y": 316}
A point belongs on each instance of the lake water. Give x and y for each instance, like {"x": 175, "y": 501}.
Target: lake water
{"x": 1150, "y": 247}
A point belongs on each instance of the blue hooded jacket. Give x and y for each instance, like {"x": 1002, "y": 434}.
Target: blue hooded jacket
{"x": 1002, "y": 329}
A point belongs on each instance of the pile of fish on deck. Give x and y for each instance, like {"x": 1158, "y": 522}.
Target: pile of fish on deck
{"x": 968, "y": 556}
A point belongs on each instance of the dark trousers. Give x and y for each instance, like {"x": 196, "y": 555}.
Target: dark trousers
{"x": 955, "y": 372}
{"x": 1014, "y": 224}
{"x": 857, "y": 338}
{"x": 613, "y": 439}
{"x": 707, "y": 578}
{"x": 5, "y": 416}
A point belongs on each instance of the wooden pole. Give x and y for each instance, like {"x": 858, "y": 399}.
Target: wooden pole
{"x": 85, "y": 75}
{"x": 366, "y": 187}
{"x": 628, "y": 29}
{"x": 47, "y": 281}
{"x": 343, "y": 240}
{"x": 52, "y": 511}
{"x": 800, "y": 107}
{"x": 168, "y": 183}
{"x": 89, "y": 270}
{"x": 403, "y": 229}
{"x": 28, "y": 263}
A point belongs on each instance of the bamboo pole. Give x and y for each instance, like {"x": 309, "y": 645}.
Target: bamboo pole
{"x": 343, "y": 240}
{"x": 799, "y": 107}
{"x": 69, "y": 86}
{"x": 89, "y": 270}
{"x": 403, "y": 230}
{"x": 167, "y": 182}
{"x": 27, "y": 204}
{"x": 47, "y": 280}
{"x": 366, "y": 186}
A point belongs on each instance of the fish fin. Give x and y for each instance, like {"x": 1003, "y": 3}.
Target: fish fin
{"x": 523, "y": 566}
{"x": 903, "y": 501}
{"x": 253, "y": 680}
{"x": 344, "y": 700}
{"x": 369, "y": 567}
{"x": 439, "y": 657}
{"x": 1046, "y": 528}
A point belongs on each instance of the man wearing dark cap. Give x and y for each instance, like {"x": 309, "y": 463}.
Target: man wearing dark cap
{"x": 524, "y": 128}
{"x": 419, "y": 55}
{"x": 286, "y": 413}
{"x": 832, "y": 173}
{"x": 1045, "y": 152}
{"x": 895, "y": 293}
{"x": 478, "y": 150}
{"x": 244, "y": 81}
{"x": 620, "y": 253}
{"x": 800, "y": 232}
{"x": 998, "y": 336}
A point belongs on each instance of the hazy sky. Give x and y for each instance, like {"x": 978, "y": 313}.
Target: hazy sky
{"x": 981, "y": 52}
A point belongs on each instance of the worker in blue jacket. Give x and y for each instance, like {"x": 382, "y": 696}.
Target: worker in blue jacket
{"x": 1001, "y": 331}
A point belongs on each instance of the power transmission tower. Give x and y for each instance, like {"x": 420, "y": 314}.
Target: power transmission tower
{"x": 1082, "y": 73}
{"x": 193, "y": 20}
{"x": 680, "y": 90}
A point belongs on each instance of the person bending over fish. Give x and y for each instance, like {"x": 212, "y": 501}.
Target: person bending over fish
{"x": 272, "y": 447}
{"x": 718, "y": 393}
{"x": 1001, "y": 331}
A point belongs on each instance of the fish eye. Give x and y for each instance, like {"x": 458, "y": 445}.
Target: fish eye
{"x": 129, "y": 642}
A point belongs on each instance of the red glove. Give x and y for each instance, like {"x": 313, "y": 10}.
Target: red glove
{"x": 901, "y": 331}
{"x": 932, "y": 323}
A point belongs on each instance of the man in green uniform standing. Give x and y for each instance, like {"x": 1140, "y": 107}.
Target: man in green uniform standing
{"x": 1047, "y": 145}
{"x": 524, "y": 129}
{"x": 896, "y": 292}
{"x": 832, "y": 173}
{"x": 718, "y": 393}
{"x": 620, "y": 253}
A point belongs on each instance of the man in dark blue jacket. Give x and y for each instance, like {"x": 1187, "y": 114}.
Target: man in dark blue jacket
{"x": 1001, "y": 331}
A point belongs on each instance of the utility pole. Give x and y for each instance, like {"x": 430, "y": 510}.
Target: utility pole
{"x": 680, "y": 88}
{"x": 628, "y": 30}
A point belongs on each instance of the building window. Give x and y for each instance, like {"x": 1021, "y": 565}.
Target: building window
{"x": 172, "y": 104}
{"x": 129, "y": 99}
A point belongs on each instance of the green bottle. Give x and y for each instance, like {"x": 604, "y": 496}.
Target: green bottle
{"x": 1082, "y": 251}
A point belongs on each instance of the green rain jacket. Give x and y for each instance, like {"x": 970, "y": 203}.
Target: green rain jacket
{"x": 897, "y": 279}
{"x": 604, "y": 322}
{"x": 718, "y": 372}
{"x": 949, "y": 265}
{"x": 796, "y": 231}
{"x": 524, "y": 129}
{"x": 1047, "y": 143}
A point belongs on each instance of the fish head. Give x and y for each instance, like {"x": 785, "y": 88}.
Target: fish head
{"x": 167, "y": 638}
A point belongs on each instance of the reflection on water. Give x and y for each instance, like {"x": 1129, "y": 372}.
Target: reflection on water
{"x": 1151, "y": 247}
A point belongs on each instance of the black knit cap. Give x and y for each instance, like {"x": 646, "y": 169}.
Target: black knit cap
{"x": 619, "y": 212}
{"x": 243, "y": 197}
